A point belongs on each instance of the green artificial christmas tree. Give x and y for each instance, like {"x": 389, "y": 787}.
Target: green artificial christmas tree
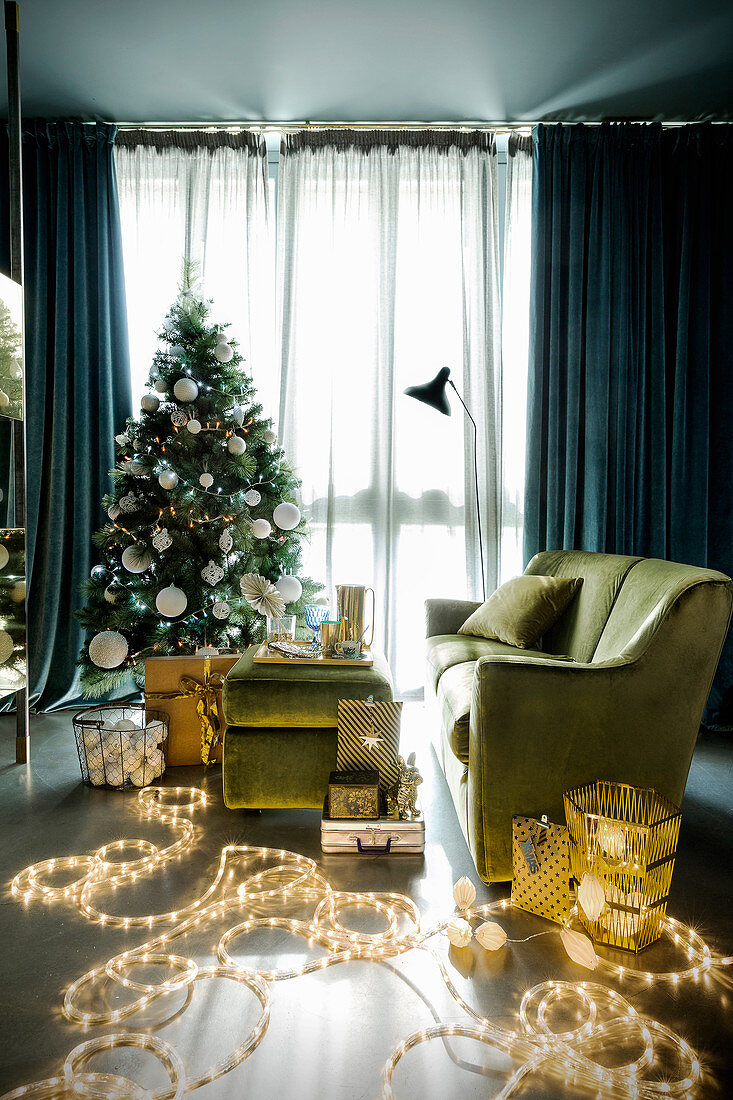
{"x": 11, "y": 370}
{"x": 202, "y": 497}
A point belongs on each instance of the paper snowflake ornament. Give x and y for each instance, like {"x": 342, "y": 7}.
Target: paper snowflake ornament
{"x": 128, "y": 503}
{"x": 262, "y": 595}
{"x": 212, "y": 573}
{"x": 162, "y": 541}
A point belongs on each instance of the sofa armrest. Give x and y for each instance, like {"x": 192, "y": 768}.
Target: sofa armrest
{"x": 446, "y": 616}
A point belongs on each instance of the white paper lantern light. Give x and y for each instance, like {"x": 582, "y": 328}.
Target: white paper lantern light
{"x": 261, "y": 528}
{"x": 236, "y": 445}
{"x": 108, "y": 649}
{"x": 464, "y": 893}
{"x": 136, "y": 558}
{"x": 194, "y": 426}
{"x": 286, "y": 516}
{"x": 491, "y": 936}
{"x": 171, "y": 602}
{"x": 579, "y": 948}
{"x": 459, "y": 932}
{"x": 150, "y": 403}
{"x": 289, "y": 588}
{"x": 168, "y": 479}
{"x": 185, "y": 390}
{"x": 591, "y": 896}
{"x": 224, "y": 352}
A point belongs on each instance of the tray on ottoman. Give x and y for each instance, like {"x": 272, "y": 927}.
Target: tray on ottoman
{"x": 385, "y": 836}
{"x": 265, "y": 655}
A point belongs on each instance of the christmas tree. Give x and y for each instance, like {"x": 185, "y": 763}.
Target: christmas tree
{"x": 202, "y": 497}
{"x": 11, "y": 370}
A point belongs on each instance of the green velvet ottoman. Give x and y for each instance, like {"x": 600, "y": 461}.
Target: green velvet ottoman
{"x": 280, "y": 740}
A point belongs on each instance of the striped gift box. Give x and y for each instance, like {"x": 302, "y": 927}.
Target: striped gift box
{"x": 369, "y": 737}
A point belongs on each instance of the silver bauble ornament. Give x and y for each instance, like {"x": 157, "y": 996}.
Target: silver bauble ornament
{"x": 221, "y": 610}
{"x": 225, "y": 540}
{"x": 178, "y": 418}
{"x": 122, "y": 439}
{"x": 289, "y": 588}
{"x": 168, "y": 479}
{"x": 224, "y": 352}
{"x": 108, "y": 649}
{"x": 138, "y": 467}
{"x": 261, "y": 528}
{"x": 160, "y": 386}
{"x": 286, "y": 516}
{"x": 113, "y": 512}
{"x": 98, "y": 572}
{"x": 6, "y": 646}
{"x": 206, "y": 480}
{"x": 171, "y": 601}
{"x": 252, "y": 498}
{"x": 212, "y": 573}
{"x": 136, "y": 558}
{"x": 177, "y": 349}
{"x": 5, "y": 556}
{"x": 238, "y": 415}
{"x": 193, "y": 426}
{"x": 185, "y": 390}
{"x": 150, "y": 403}
{"x": 269, "y": 436}
{"x": 236, "y": 445}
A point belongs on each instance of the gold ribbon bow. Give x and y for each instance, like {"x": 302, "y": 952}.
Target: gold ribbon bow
{"x": 204, "y": 691}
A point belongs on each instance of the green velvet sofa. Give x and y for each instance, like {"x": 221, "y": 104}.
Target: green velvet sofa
{"x": 616, "y": 691}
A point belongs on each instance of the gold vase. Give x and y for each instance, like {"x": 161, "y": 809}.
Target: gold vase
{"x": 350, "y": 600}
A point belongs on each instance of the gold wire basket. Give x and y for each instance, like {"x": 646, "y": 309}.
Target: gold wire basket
{"x": 627, "y": 837}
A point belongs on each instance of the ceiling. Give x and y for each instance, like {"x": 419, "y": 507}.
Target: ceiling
{"x": 386, "y": 60}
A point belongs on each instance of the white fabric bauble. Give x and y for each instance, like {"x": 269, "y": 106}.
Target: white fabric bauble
{"x": 224, "y": 352}
{"x": 150, "y": 403}
{"x": 289, "y": 588}
{"x": 121, "y": 439}
{"x": 126, "y": 724}
{"x": 178, "y": 349}
{"x": 137, "y": 776}
{"x": 111, "y": 593}
{"x": 160, "y": 386}
{"x": 236, "y": 445}
{"x": 113, "y": 512}
{"x": 185, "y": 390}
{"x": 108, "y": 649}
{"x": 138, "y": 467}
{"x": 4, "y": 555}
{"x": 171, "y": 602}
{"x": 156, "y": 760}
{"x": 6, "y": 647}
{"x": 155, "y": 731}
{"x": 17, "y": 592}
{"x": 261, "y": 528}
{"x": 168, "y": 479}
{"x": 136, "y": 559}
{"x": 252, "y": 498}
{"x": 238, "y": 415}
{"x": 286, "y": 516}
{"x": 96, "y": 777}
{"x": 206, "y": 481}
{"x": 4, "y": 400}
{"x": 269, "y": 436}
{"x": 193, "y": 426}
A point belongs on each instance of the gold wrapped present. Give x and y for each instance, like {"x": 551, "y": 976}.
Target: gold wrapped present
{"x": 353, "y": 794}
{"x": 188, "y": 690}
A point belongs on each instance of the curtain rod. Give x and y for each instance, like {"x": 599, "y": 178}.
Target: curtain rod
{"x": 296, "y": 126}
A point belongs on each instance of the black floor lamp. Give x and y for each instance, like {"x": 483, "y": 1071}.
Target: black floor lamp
{"x": 433, "y": 394}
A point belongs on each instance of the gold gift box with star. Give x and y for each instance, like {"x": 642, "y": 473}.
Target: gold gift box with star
{"x": 353, "y": 795}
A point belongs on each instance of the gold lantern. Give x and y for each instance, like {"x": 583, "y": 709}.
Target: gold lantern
{"x": 627, "y": 837}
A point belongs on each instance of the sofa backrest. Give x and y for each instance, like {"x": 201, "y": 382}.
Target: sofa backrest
{"x": 647, "y": 596}
{"x": 578, "y": 631}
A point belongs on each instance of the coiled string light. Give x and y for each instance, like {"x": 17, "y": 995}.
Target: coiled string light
{"x": 608, "y": 1020}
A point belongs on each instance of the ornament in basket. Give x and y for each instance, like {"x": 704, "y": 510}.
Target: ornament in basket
{"x": 121, "y": 746}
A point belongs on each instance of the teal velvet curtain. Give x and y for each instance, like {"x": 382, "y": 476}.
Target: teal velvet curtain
{"x": 77, "y": 375}
{"x": 630, "y": 403}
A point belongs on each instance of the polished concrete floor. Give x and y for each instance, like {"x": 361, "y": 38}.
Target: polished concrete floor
{"x": 330, "y": 1032}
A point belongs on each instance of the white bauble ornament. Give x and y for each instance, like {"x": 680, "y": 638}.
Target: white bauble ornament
{"x": 4, "y": 400}
{"x": 221, "y": 610}
{"x": 168, "y": 324}
{"x": 286, "y": 516}
{"x": 121, "y": 439}
{"x": 17, "y": 592}
{"x": 111, "y": 593}
{"x": 168, "y": 479}
{"x": 185, "y": 390}
{"x": 155, "y": 731}
{"x": 178, "y": 349}
{"x": 252, "y": 498}
{"x": 160, "y": 386}
{"x": 137, "y": 776}
{"x": 126, "y": 724}
{"x": 5, "y": 556}
{"x": 261, "y": 528}
{"x": 224, "y": 352}
{"x": 138, "y": 467}
{"x": 212, "y": 573}
{"x": 225, "y": 540}
{"x": 6, "y": 646}
{"x": 171, "y": 602}
{"x": 238, "y": 415}
{"x": 289, "y": 588}
{"x": 136, "y": 558}
{"x": 156, "y": 760}
{"x": 16, "y": 371}
{"x": 108, "y": 649}
{"x": 178, "y": 418}
{"x": 113, "y": 512}
{"x": 236, "y": 445}
{"x": 269, "y": 436}
{"x": 128, "y": 503}
{"x": 193, "y": 426}
{"x": 150, "y": 403}
{"x": 162, "y": 540}
{"x": 206, "y": 481}
{"x": 96, "y": 777}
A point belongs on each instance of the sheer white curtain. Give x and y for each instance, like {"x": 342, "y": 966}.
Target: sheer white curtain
{"x": 202, "y": 196}
{"x": 515, "y": 348}
{"x": 388, "y": 271}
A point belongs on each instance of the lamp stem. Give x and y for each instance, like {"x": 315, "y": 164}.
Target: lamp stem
{"x": 475, "y": 479}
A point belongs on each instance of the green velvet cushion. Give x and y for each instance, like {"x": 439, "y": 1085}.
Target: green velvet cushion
{"x": 269, "y": 767}
{"x": 298, "y": 694}
{"x": 522, "y": 610}
{"x": 577, "y": 631}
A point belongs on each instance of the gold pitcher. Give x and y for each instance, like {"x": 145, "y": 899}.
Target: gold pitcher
{"x": 350, "y": 599}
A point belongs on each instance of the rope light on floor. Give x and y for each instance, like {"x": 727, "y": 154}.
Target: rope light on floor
{"x": 607, "y": 1021}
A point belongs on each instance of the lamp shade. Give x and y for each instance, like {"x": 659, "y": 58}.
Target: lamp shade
{"x": 433, "y": 393}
